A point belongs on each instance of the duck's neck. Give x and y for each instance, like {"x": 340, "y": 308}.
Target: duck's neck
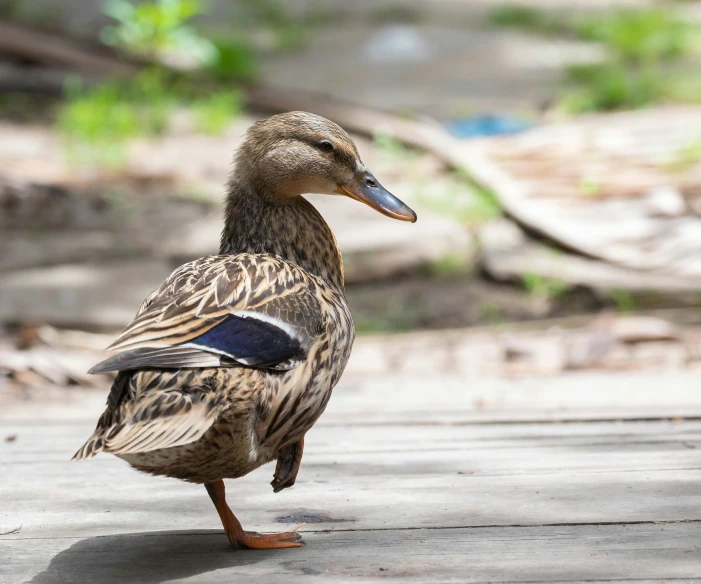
{"x": 293, "y": 230}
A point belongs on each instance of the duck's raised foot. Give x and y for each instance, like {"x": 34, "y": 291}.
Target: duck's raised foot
{"x": 288, "y": 462}
{"x": 260, "y": 541}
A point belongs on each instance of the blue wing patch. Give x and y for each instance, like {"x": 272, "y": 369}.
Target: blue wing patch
{"x": 249, "y": 340}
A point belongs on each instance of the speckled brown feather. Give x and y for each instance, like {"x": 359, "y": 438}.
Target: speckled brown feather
{"x": 277, "y": 256}
{"x": 200, "y": 294}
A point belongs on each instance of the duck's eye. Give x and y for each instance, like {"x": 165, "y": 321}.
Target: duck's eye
{"x": 325, "y": 146}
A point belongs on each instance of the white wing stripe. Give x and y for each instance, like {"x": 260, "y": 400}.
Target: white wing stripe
{"x": 281, "y": 324}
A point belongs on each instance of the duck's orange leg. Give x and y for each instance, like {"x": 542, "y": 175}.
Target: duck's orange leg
{"x": 249, "y": 539}
{"x": 288, "y": 462}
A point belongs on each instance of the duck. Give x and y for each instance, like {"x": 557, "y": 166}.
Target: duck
{"x": 229, "y": 363}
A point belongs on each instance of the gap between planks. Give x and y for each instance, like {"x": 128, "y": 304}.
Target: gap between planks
{"x": 422, "y": 528}
{"x": 551, "y": 420}
{"x": 494, "y": 526}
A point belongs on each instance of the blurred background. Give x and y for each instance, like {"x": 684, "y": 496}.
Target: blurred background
{"x": 551, "y": 148}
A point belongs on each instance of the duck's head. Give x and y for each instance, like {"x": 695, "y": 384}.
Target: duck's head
{"x": 290, "y": 154}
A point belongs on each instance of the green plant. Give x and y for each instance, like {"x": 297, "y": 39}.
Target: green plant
{"x": 635, "y": 35}
{"x": 235, "y": 61}
{"x": 213, "y": 114}
{"x": 686, "y": 157}
{"x": 640, "y": 44}
{"x": 155, "y": 95}
{"x": 543, "y": 286}
{"x": 526, "y": 17}
{"x": 491, "y": 313}
{"x": 119, "y": 201}
{"x": 157, "y": 28}
{"x": 12, "y": 9}
{"x": 636, "y": 73}
{"x": 44, "y": 15}
{"x": 451, "y": 264}
{"x": 96, "y": 122}
{"x": 684, "y": 88}
{"x": 398, "y": 12}
{"x": 287, "y": 32}
{"x": 589, "y": 187}
{"x": 639, "y": 36}
{"x": 291, "y": 36}
{"x": 455, "y": 198}
{"x": 390, "y": 148}
{"x": 19, "y": 105}
{"x": 624, "y": 300}
{"x": 486, "y": 203}
{"x": 400, "y": 318}
{"x": 612, "y": 86}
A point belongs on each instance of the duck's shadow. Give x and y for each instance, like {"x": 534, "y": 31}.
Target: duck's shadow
{"x": 146, "y": 558}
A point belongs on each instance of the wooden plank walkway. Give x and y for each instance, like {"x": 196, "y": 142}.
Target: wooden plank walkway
{"x": 587, "y": 477}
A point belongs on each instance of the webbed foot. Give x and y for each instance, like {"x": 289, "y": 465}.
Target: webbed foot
{"x": 288, "y": 462}
{"x": 261, "y": 541}
{"x": 248, "y": 539}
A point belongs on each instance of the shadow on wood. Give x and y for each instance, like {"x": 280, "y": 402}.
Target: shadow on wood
{"x": 150, "y": 558}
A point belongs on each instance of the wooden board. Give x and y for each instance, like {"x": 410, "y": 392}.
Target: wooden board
{"x": 375, "y": 478}
{"x": 406, "y": 477}
{"x": 437, "y": 489}
{"x": 596, "y": 553}
{"x": 621, "y": 188}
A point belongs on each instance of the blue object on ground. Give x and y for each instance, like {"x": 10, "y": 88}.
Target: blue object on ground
{"x": 489, "y": 125}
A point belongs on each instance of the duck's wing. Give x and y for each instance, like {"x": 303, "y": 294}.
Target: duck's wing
{"x": 249, "y": 309}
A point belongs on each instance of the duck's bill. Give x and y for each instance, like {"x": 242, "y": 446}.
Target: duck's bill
{"x": 368, "y": 190}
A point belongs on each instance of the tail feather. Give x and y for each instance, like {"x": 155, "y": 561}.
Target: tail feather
{"x": 96, "y": 442}
{"x": 187, "y": 426}
{"x": 94, "y": 445}
{"x": 164, "y": 432}
{"x": 162, "y": 417}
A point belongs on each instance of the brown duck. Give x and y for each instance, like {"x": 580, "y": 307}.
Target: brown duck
{"x": 230, "y": 362}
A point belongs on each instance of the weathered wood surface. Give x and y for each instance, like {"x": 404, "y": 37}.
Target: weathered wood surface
{"x": 597, "y": 553}
{"x": 615, "y": 187}
{"x": 405, "y": 478}
{"x": 506, "y": 249}
{"x": 412, "y": 397}
{"x": 461, "y": 478}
